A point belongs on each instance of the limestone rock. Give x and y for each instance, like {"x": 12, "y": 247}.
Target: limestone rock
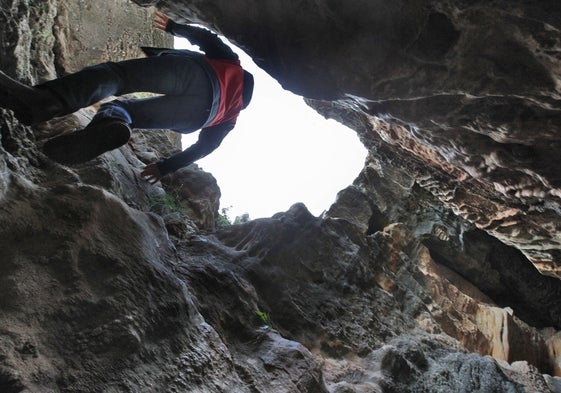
{"x": 80, "y": 41}
{"x": 462, "y": 95}
{"x": 196, "y": 193}
{"x": 420, "y": 278}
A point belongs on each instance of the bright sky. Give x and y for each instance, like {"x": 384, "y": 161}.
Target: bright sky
{"x": 281, "y": 152}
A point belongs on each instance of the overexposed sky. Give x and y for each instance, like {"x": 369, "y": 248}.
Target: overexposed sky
{"x": 280, "y": 153}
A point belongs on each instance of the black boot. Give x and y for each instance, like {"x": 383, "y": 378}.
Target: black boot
{"x": 81, "y": 146}
{"x": 30, "y": 105}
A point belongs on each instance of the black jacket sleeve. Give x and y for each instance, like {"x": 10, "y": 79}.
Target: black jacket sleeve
{"x": 209, "y": 139}
{"x": 207, "y": 41}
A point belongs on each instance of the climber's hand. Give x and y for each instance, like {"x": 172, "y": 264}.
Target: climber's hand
{"x": 160, "y": 21}
{"x": 151, "y": 173}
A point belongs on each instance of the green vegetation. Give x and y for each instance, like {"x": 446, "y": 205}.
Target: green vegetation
{"x": 224, "y": 219}
{"x": 264, "y": 317}
{"x": 167, "y": 201}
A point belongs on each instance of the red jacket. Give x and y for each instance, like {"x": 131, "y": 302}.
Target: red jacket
{"x": 230, "y": 78}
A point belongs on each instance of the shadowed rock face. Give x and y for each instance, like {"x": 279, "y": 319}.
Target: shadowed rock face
{"x": 430, "y": 260}
{"x": 464, "y": 94}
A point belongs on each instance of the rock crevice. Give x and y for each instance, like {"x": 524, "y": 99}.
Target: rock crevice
{"x": 436, "y": 270}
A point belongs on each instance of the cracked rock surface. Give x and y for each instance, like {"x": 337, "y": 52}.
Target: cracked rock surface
{"x": 437, "y": 270}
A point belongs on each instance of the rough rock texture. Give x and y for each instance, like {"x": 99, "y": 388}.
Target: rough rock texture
{"x": 464, "y": 94}
{"x": 424, "y": 276}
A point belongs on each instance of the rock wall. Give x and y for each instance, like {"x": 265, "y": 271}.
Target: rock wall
{"x": 465, "y": 94}
{"x": 424, "y": 276}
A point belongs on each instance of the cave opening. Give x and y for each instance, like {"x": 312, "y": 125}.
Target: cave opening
{"x": 281, "y": 152}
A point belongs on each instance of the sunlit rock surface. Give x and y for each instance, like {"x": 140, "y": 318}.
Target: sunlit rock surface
{"x": 426, "y": 275}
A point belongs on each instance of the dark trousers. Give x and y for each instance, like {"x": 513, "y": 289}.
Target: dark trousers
{"x": 185, "y": 88}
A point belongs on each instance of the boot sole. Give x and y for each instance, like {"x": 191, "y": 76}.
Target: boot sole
{"x": 87, "y": 144}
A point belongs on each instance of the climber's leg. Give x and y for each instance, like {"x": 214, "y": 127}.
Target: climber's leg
{"x": 170, "y": 74}
{"x": 30, "y": 104}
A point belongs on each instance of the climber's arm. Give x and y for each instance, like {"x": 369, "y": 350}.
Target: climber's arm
{"x": 207, "y": 41}
{"x": 209, "y": 139}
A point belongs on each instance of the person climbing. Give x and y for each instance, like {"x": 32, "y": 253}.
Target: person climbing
{"x": 197, "y": 91}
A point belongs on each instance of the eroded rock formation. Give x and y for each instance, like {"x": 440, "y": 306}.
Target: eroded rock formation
{"x": 426, "y": 275}
{"x": 475, "y": 88}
